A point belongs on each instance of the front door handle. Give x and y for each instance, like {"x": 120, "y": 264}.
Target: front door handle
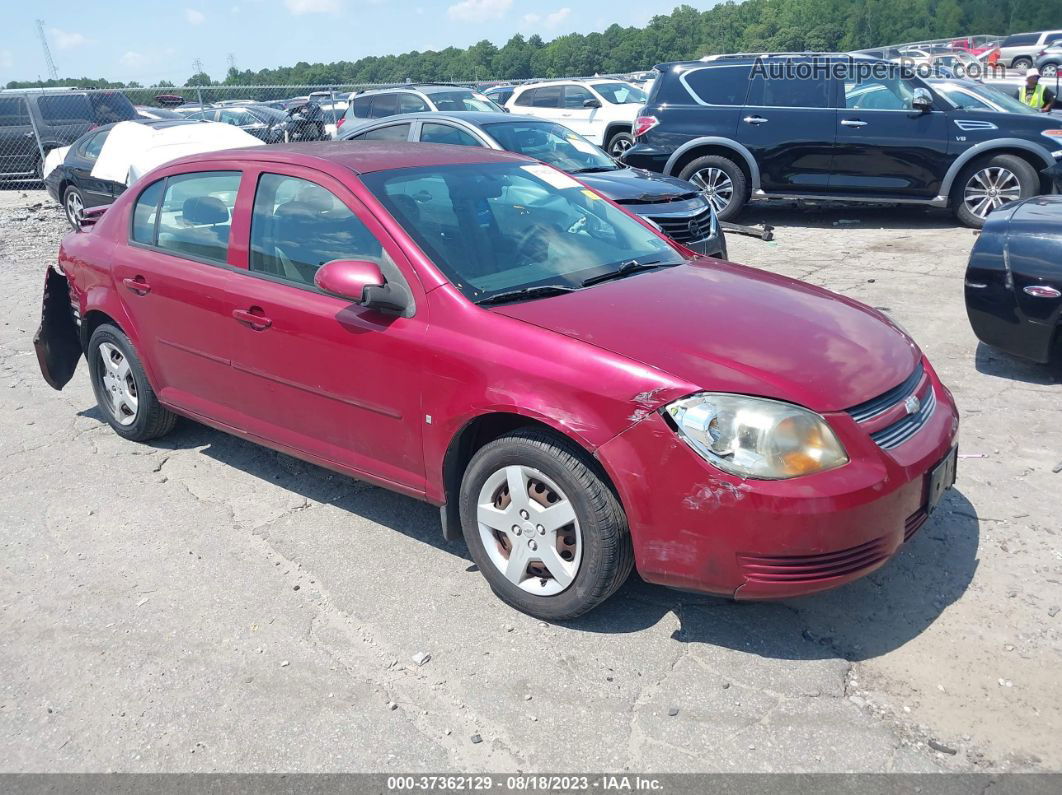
{"x": 253, "y": 317}
{"x": 853, "y": 123}
{"x": 138, "y": 285}
{"x": 755, "y": 120}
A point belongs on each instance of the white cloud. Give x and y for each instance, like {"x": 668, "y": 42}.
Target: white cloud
{"x": 65, "y": 41}
{"x": 300, "y": 7}
{"x": 132, "y": 59}
{"x": 194, "y": 17}
{"x": 479, "y": 10}
{"x": 553, "y": 20}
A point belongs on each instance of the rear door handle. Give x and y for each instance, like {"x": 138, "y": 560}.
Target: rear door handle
{"x": 138, "y": 285}
{"x": 853, "y": 123}
{"x": 755, "y": 120}
{"x": 253, "y": 317}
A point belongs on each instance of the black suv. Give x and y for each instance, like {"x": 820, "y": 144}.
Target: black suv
{"x": 58, "y": 115}
{"x": 837, "y": 127}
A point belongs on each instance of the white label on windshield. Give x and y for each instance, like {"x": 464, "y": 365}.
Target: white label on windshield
{"x": 583, "y": 145}
{"x": 551, "y": 177}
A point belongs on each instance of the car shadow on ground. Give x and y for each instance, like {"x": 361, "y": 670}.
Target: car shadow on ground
{"x": 989, "y": 361}
{"x": 859, "y": 621}
{"x": 830, "y": 215}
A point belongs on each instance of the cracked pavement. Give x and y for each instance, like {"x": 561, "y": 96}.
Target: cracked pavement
{"x": 203, "y": 604}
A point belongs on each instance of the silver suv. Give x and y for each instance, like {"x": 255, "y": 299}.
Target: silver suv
{"x": 417, "y": 98}
{"x": 1019, "y": 50}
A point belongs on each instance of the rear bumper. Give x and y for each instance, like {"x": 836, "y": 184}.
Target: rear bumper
{"x": 697, "y": 528}
{"x": 642, "y": 156}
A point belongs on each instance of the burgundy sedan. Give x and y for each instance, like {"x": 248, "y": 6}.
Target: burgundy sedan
{"x": 577, "y": 393}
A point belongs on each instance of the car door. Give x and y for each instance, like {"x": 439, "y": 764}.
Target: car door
{"x": 79, "y": 162}
{"x": 18, "y": 143}
{"x": 885, "y": 147}
{"x": 789, "y": 125}
{"x": 177, "y": 282}
{"x": 575, "y": 114}
{"x": 319, "y": 373}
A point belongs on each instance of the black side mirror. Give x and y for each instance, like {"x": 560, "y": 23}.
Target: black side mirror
{"x": 592, "y": 103}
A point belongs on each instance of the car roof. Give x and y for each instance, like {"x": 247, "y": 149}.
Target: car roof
{"x": 161, "y": 123}
{"x": 741, "y": 59}
{"x": 474, "y": 117}
{"x": 364, "y": 157}
{"x": 423, "y": 88}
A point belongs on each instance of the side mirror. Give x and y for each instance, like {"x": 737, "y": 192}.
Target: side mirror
{"x": 922, "y": 100}
{"x": 592, "y": 103}
{"x": 361, "y": 282}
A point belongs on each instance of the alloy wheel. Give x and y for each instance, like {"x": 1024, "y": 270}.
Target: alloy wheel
{"x": 529, "y": 530}
{"x": 117, "y": 384}
{"x": 1049, "y": 70}
{"x": 619, "y": 146}
{"x": 75, "y": 208}
{"x": 717, "y": 187}
{"x": 989, "y": 189}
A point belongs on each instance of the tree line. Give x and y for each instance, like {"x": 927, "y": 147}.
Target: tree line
{"x": 685, "y": 33}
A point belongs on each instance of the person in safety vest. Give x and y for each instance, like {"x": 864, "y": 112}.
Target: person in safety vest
{"x": 1035, "y": 95}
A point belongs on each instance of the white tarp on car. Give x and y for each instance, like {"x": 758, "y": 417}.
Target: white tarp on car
{"x": 132, "y": 149}
{"x": 54, "y": 158}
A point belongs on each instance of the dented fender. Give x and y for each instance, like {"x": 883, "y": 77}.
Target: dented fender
{"x": 58, "y": 339}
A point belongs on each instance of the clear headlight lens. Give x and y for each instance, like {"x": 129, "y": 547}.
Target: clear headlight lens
{"x": 755, "y": 437}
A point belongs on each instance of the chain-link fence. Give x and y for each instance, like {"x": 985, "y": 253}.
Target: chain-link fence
{"x": 36, "y": 121}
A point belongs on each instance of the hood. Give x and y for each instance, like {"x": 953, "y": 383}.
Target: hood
{"x": 634, "y": 186}
{"x": 726, "y": 327}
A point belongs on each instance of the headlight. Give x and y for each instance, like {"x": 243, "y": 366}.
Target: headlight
{"x": 755, "y": 437}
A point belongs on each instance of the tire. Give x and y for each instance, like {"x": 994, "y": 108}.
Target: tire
{"x": 619, "y": 143}
{"x": 135, "y": 412}
{"x": 597, "y": 540}
{"x": 1012, "y": 178}
{"x": 1021, "y": 63}
{"x": 73, "y": 206}
{"x": 723, "y": 180}
{"x": 1049, "y": 70}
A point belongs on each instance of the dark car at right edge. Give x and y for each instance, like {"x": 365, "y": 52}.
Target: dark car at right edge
{"x": 836, "y": 127}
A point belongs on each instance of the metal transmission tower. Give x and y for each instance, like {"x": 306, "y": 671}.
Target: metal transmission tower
{"x": 53, "y": 73}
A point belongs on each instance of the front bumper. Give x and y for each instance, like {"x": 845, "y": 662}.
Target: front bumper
{"x": 697, "y": 528}
{"x": 712, "y": 246}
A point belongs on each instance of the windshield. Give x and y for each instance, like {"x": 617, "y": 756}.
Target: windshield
{"x": 621, "y": 93}
{"x": 985, "y": 98}
{"x": 497, "y": 227}
{"x": 550, "y": 143}
{"x": 461, "y": 101}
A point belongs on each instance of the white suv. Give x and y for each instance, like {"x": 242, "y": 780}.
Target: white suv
{"x": 601, "y": 110}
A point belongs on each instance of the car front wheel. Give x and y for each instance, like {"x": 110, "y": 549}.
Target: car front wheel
{"x": 542, "y": 525}
{"x": 123, "y": 393}
{"x": 991, "y": 183}
{"x": 1049, "y": 69}
{"x": 722, "y": 181}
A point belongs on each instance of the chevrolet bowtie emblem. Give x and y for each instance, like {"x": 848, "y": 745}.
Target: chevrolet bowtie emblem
{"x": 913, "y": 404}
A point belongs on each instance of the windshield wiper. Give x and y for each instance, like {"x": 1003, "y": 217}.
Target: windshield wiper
{"x": 539, "y": 291}
{"x": 626, "y": 269}
{"x": 594, "y": 169}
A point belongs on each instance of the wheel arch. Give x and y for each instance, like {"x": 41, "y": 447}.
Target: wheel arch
{"x": 616, "y": 127}
{"x": 481, "y": 430}
{"x": 1036, "y": 156}
{"x": 715, "y": 145}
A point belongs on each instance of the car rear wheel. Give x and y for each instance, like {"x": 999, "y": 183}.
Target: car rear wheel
{"x": 991, "y": 183}
{"x": 74, "y": 206}
{"x": 722, "y": 181}
{"x": 620, "y": 143}
{"x": 123, "y": 393}
{"x": 1021, "y": 64}
{"x": 1049, "y": 69}
{"x": 542, "y": 525}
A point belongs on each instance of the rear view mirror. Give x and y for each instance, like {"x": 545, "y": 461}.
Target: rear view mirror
{"x": 362, "y": 282}
{"x": 922, "y": 100}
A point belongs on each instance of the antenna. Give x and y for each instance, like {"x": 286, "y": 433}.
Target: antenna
{"x": 53, "y": 73}
{"x": 197, "y": 65}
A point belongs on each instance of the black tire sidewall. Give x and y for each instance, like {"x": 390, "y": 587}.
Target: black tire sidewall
{"x": 592, "y": 583}
{"x": 146, "y": 400}
{"x": 732, "y": 170}
{"x": 1027, "y": 176}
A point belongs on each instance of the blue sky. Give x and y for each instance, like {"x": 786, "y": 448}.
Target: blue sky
{"x": 150, "y": 41}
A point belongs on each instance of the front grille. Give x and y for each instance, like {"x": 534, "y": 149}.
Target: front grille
{"x": 900, "y": 431}
{"x": 882, "y": 403}
{"x": 813, "y": 568}
{"x": 686, "y": 228}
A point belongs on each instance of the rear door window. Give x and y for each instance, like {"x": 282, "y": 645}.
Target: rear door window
{"x": 1020, "y": 40}
{"x": 66, "y": 109}
{"x": 435, "y": 133}
{"x": 110, "y": 106}
{"x": 411, "y": 103}
{"x": 789, "y": 93}
{"x": 392, "y": 132}
{"x": 526, "y": 99}
{"x": 13, "y": 112}
{"x": 196, "y": 214}
{"x": 384, "y": 105}
{"x": 719, "y": 85}
{"x": 549, "y": 97}
{"x": 577, "y": 97}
